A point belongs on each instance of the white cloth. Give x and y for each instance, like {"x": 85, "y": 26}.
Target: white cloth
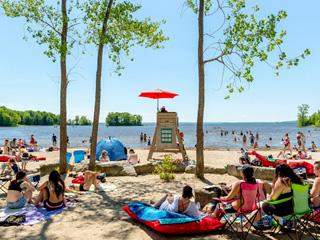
{"x": 191, "y": 211}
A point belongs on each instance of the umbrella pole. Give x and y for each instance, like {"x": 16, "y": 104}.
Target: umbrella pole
{"x": 157, "y": 104}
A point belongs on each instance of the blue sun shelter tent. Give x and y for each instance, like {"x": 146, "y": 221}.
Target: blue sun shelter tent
{"x": 114, "y": 147}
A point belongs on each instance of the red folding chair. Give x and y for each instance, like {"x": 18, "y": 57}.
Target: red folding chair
{"x": 249, "y": 195}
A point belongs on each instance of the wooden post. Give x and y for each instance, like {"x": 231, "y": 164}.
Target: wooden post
{"x": 152, "y": 147}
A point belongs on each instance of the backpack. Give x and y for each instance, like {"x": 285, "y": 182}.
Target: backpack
{"x": 244, "y": 160}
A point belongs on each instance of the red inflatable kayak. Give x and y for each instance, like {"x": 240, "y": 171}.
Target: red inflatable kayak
{"x": 207, "y": 224}
{"x": 265, "y": 162}
{"x": 309, "y": 167}
{"x": 4, "y": 158}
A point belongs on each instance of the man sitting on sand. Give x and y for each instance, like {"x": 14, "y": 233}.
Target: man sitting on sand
{"x": 89, "y": 179}
{"x": 133, "y": 158}
{"x": 315, "y": 191}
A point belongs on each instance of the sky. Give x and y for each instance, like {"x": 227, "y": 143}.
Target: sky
{"x": 30, "y": 80}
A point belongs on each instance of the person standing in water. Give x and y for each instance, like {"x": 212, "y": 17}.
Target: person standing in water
{"x": 54, "y": 139}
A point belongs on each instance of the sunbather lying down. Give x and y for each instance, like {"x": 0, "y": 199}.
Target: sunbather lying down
{"x": 88, "y": 181}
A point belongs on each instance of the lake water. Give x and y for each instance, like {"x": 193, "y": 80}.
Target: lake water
{"x": 130, "y": 135}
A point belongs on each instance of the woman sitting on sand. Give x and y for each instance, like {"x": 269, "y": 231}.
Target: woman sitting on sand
{"x": 15, "y": 197}
{"x": 104, "y": 157}
{"x": 179, "y": 204}
{"x": 247, "y": 175}
{"x": 88, "y": 181}
{"x": 52, "y": 193}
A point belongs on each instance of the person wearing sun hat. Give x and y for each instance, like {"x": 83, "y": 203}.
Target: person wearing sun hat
{"x": 104, "y": 157}
{"x": 246, "y": 172}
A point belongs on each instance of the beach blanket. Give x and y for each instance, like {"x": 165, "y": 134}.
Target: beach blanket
{"x": 148, "y": 213}
{"x": 34, "y": 214}
{"x": 5, "y": 212}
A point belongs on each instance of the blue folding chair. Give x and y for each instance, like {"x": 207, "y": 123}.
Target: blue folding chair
{"x": 69, "y": 155}
{"x": 78, "y": 156}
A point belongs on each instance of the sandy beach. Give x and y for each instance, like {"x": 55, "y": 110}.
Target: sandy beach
{"x": 100, "y": 215}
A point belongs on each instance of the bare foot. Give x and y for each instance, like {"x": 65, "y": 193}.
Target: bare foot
{"x": 98, "y": 173}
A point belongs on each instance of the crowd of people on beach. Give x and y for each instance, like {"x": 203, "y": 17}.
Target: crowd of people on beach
{"x": 284, "y": 177}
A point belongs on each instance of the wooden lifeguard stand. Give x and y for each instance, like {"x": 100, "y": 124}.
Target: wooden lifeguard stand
{"x": 166, "y": 135}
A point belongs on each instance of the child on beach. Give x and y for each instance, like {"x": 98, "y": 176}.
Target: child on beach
{"x": 287, "y": 144}
{"x": 313, "y": 147}
{"x": 7, "y": 165}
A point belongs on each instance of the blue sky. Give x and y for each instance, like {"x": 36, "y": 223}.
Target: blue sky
{"x": 29, "y": 80}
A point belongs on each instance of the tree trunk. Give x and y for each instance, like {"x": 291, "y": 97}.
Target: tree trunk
{"x": 95, "y": 126}
{"x": 63, "y": 92}
{"x": 200, "y": 159}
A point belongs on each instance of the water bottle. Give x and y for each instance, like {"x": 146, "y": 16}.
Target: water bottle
{"x": 198, "y": 205}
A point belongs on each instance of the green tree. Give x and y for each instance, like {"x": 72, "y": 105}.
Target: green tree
{"x": 76, "y": 120}
{"x": 303, "y": 115}
{"x": 246, "y": 39}
{"x": 50, "y": 25}
{"x": 27, "y": 119}
{"x": 110, "y": 23}
{"x": 37, "y": 120}
{"x": 7, "y": 121}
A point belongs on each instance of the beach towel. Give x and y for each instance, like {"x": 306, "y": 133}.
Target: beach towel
{"x": 35, "y": 214}
{"x": 5, "y": 212}
{"x": 104, "y": 187}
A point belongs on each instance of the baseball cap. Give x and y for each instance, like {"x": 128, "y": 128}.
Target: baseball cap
{"x": 246, "y": 169}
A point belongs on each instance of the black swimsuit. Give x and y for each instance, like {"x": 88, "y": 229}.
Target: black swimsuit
{"x": 49, "y": 205}
{"x": 280, "y": 209}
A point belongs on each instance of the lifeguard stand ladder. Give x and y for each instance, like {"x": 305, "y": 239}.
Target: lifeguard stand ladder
{"x": 166, "y": 135}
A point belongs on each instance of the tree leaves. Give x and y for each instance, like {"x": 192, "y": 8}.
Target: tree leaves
{"x": 248, "y": 38}
{"x": 44, "y": 23}
{"x": 123, "y": 30}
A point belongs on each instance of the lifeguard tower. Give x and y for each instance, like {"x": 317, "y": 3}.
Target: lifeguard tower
{"x": 166, "y": 135}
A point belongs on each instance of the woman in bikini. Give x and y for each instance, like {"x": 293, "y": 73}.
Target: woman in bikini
{"x": 287, "y": 144}
{"x": 89, "y": 179}
{"x": 52, "y": 193}
{"x": 16, "y": 196}
{"x": 179, "y": 204}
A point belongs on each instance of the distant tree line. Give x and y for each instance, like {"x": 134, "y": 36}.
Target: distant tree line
{"x": 79, "y": 121}
{"x": 13, "y": 118}
{"x": 123, "y": 119}
{"x": 305, "y": 120}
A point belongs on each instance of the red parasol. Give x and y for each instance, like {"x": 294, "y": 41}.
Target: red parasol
{"x": 158, "y": 93}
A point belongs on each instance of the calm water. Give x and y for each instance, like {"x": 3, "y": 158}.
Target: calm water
{"x": 130, "y": 135}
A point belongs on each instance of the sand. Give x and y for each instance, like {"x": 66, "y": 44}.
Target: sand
{"x": 100, "y": 216}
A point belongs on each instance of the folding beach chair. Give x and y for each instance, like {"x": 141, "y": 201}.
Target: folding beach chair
{"x": 69, "y": 155}
{"x": 301, "y": 207}
{"x": 4, "y": 179}
{"x": 78, "y": 156}
{"x": 249, "y": 195}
